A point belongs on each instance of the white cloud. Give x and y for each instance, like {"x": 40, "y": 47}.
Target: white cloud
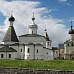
{"x": 71, "y": 19}
{"x": 62, "y": 0}
{"x": 22, "y": 11}
{"x": 65, "y": 2}
{"x": 68, "y": 4}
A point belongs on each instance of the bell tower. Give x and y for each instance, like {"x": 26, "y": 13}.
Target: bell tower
{"x": 71, "y": 33}
{"x": 10, "y": 34}
{"x": 48, "y": 41}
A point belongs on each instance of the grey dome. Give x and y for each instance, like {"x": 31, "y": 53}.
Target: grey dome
{"x": 12, "y": 18}
{"x": 71, "y": 31}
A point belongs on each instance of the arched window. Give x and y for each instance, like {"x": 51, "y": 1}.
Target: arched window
{"x": 2, "y": 55}
{"x": 28, "y": 51}
{"x": 48, "y": 43}
{"x": 68, "y": 44}
{"x": 47, "y": 53}
{"x": 72, "y": 44}
{"x": 21, "y": 50}
{"x": 32, "y": 32}
{"x": 37, "y": 50}
{"x": 9, "y": 55}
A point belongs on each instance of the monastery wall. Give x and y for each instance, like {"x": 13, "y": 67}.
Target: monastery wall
{"x": 4, "y": 70}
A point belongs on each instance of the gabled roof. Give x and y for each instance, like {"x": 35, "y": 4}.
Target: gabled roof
{"x": 10, "y": 35}
{"x": 7, "y": 49}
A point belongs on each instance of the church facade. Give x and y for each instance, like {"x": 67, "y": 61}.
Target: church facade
{"x": 30, "y": 46}
{"x": 69, "y": 46}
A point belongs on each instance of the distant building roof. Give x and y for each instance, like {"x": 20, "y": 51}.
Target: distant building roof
{"x": 61, "y": 46}
{"x": 55, "y": 48}
{"x": 7, "y": 49}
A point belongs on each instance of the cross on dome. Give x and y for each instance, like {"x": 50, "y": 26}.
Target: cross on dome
{"x": 11, "y": 13}
{"x": 33, "y": 17}
{"x": 71, "y": 24}
{"x": 45, "y": 29}
{"x": 11, "y": 18}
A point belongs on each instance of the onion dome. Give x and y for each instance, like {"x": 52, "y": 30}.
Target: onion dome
{"x": 33, "y": 25}
{"x": 71, "y": 31}
{"x": 11, "y": 19}
{"x": 11, "y": 34}
{"x": 33, "y": 18}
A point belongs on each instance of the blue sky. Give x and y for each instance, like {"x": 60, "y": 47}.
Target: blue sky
{"x": 54, "y": 14}
{"x": 60, "y": 7}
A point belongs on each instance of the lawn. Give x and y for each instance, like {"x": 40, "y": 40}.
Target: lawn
{"x": 38, "y": 64}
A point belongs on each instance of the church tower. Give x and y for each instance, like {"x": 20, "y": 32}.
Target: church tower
{"x": 69, "y": 45}
{"x": 33, "y": 27}
{"x": 71, "y": 33}
{"x": 48, "y": 41}
{"x": 11, "y": 34}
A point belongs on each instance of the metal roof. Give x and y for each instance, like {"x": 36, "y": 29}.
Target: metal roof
{"x": 7, "y": 49}
{"x": 10, "y": 35}
{"x": 31, "y": 35}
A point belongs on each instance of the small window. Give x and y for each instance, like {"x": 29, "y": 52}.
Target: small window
{"x": 72, "y": 44}
{"x": 48, "y": 43}
{"x": 28, "y": 51}
{"x": 37, "y": 50}
{"x": 68, "y": 44}
{"x": 9, "y": 55}
{"x": 2, "y": 55}
{"x": 47, "y": 53}
{"x": 62, "y": 51}
{"x": 32, "y": 32}
{"x": 21, "y": 50}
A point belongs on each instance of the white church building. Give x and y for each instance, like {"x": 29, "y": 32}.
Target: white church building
{"x": 31, "y": 46}
{"x": 69, "y": 45}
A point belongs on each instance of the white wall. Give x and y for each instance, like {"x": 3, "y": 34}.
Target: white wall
{"x": 48, "y": 44}
{"x": 6, "y": 55}
{"x": 29, "y": 55}
{"x": 21, "y": 51}
{"x": 32, "y": 30}
{"x": 40, "y": 54}
{"x": 71, "y": 37}
{"x": 16, "y": 47}
{"x": 48, "y": 54}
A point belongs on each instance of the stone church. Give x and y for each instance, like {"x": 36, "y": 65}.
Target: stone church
{"x": 30, "y": 46}
{"x": 69, "y": 45}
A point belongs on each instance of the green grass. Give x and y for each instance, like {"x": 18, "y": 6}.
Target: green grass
{"x": 38, "y": 64}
